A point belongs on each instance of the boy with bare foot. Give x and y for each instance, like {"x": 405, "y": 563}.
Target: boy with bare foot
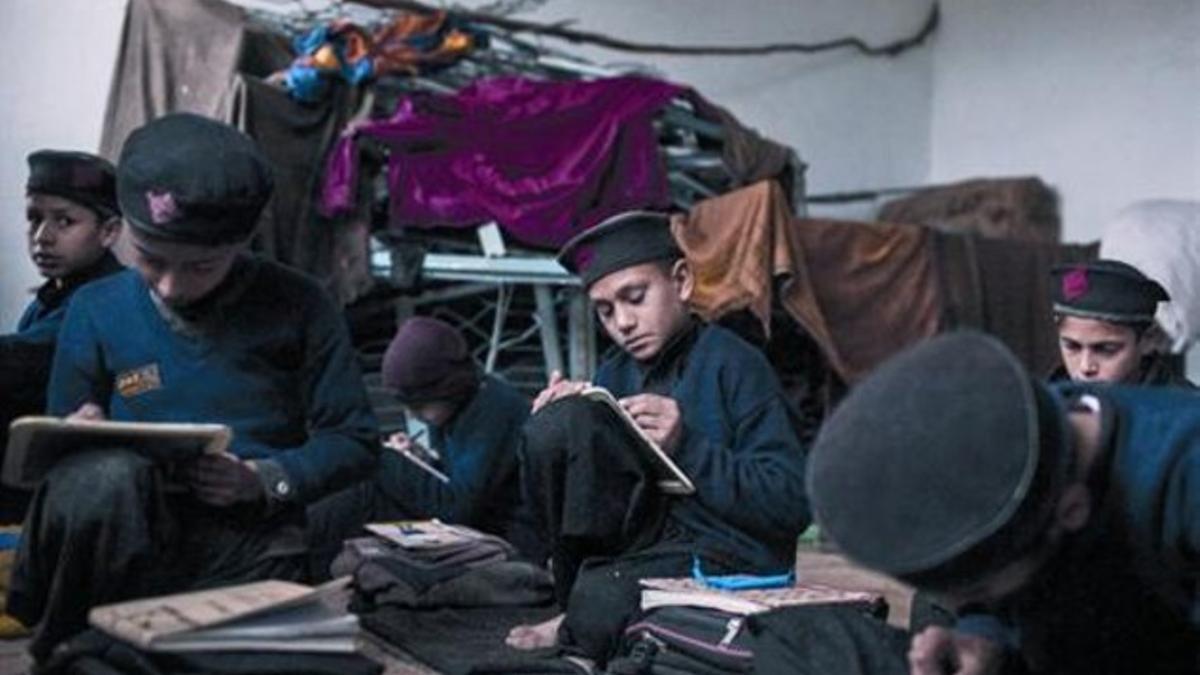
{"x": 706, "y": 397}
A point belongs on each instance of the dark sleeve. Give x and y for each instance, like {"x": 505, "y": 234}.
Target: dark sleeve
{"x": 477, "y": 460}
{"x": 757, "y": 481}
{"x": 25, "y": 372}
{"x": 1181, "y": 522}
{"x": 79, "y": 374}
{"x": 343, "y": 437}
{"x": 25, "y": 360}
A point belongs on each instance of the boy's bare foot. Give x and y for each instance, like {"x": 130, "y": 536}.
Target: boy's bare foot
{"x": 535, "y": 635}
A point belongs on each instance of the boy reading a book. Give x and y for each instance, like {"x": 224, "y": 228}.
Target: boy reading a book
{"x": 1061, "y": 522}
{"x": 474, "y": 421}
{"x": 710, "y": 400}
{"x": 73, "y": 219}
{"x": 197, "y": 331}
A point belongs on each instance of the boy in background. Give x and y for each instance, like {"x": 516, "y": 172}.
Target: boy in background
{"x": 1106, "y": 328}
{"x": 474, "y": 421}
{"x": 73, "y": 221}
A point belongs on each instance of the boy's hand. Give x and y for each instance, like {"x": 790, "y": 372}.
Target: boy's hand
{"x": 223, "y": 480}
{"x": 942, "y": 651}
{"x": 399, "y": 441}
{"x": 88, "y": 411}
{"x": 403, "y": 443}
{"x": 658, "y": 416}
{"x": 558, "y": 387}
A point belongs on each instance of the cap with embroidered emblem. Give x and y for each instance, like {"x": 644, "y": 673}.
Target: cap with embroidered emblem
{"x": 934, "y": 468}
{"x": 192, "y": 180}
{"x": 1108, "y": 290}
{"x": 624, "y": 240}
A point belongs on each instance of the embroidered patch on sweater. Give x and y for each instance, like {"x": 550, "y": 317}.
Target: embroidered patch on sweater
{"x": 138, "y": 381}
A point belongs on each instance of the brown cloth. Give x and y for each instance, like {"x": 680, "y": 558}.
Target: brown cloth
{"x": 738, "y": 244}
{"x": 174, "y": 57}
{"x": 1024, "y": 209}
{"x": 862, "y": 291}
{"x": 748, "y": 156}
{"x": 867, "y": 290}
{"x": 294, "y": 136}
{"x": 1005, "y": 288}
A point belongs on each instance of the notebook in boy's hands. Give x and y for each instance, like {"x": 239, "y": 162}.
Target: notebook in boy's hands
{"x": 672, "y": 479}
{"x": 260, "y": 616}
{"x": 36, "y": 443}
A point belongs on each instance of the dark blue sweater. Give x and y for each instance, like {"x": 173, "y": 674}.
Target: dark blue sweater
{"x": 1122, "y": 595}
{"x": 274, "y": 362}
{"x": 739, "y": 446}
{"x": 479, "y": 454}
{"x": 25, "y": 356}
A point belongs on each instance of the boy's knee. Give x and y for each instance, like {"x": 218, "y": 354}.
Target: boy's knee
{"x": 97, "y": 477}
{"x": 551, "y": 426}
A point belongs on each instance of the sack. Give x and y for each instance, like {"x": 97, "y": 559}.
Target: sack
{"x": 679, "y": 639}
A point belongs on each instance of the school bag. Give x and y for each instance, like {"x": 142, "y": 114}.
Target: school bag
{"x": 680, "y": 639}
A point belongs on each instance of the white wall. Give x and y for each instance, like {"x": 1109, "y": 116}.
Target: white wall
{"x": 54, "y": 83}
{"x": 1101, "y": 98}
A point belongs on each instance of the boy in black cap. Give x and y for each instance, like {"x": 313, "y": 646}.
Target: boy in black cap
{"x": 473, "y": 419}
{"x": 1106, "y": 329}
{"x": 1062, "y": 523}
{"x": 709, "y": 399}
{"x": 196, "y": 332}
{"x": 71, "y": 209}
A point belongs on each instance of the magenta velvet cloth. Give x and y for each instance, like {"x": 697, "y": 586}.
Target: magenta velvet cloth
{"x": 543, "y": 159}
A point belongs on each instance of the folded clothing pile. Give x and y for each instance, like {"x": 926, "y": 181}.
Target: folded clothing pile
{"x": 458, "y": 568}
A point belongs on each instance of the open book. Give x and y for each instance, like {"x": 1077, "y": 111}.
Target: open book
{"x": 671, "y": 479}
{"x": 259, "y": 616}
{"x": 36, "y": 443}
{"x": 693, "y": 593}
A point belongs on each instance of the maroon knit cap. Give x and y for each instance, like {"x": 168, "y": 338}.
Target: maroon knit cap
{"x": 429, "y": 361}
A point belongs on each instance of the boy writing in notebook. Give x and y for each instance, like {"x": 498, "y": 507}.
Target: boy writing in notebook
{"x": 710, "y": 400}
{"x": 474, "y": 421}
{"x": 197, "y": 331}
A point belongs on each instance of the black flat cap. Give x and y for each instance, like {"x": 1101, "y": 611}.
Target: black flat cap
{"x": 933, "y": 458}
{"x": 83, "y": 178}
{"x": 192, "y": 180}
{"x": 1108, "y": 290}
{"x": 624, "y": 240}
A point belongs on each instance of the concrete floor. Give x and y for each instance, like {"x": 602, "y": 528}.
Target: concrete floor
{"x": 812, "y": 566}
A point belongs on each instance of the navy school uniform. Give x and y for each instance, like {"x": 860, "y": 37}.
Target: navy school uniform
{"x": 26, "y": 355}
{"x": 1121, "y": 596}
{"x": 267, "y": 354}
{"x": 25, "y": 360}
{"x": 478, "y": 451}
{"x": 739, "y": 447}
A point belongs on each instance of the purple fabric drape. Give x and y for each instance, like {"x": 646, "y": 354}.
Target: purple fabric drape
{"x": 543, "y": 159}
